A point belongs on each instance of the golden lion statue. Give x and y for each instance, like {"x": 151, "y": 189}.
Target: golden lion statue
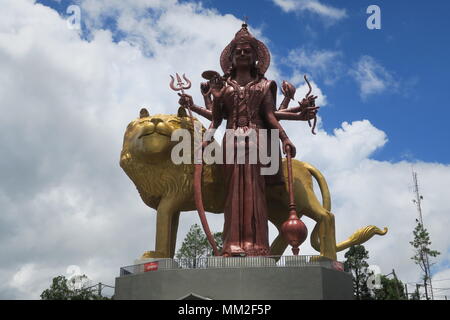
{"x": 168, "y": 188}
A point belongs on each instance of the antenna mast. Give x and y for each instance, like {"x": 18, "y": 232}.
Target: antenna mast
{"x": 418, "y": 202}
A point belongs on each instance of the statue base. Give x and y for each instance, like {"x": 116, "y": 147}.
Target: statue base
{"x": 246, "y": 278}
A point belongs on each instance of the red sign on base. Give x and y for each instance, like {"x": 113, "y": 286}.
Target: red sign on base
{"x": 151, "y": 266}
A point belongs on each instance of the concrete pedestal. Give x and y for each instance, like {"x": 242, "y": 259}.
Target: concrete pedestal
{"x": 237, "y": 282}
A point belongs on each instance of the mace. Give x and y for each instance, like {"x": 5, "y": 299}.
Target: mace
{"x": 293, "y": 230}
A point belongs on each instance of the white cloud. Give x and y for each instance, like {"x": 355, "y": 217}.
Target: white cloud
{"x": 65, "y": 103}
{"x": 29, "y": 279}
{"x": 372, "y": 77}
{"x": 441, "y": 284}
{"x": 345, "y": 149}
{"x": 314, "y": 6}
{"x": 328, "y": 66}
{"x": 323, "y": 65}
{"x": 23, "y": 276}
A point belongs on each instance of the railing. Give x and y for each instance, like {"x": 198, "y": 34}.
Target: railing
{"x": 231, "y": 262}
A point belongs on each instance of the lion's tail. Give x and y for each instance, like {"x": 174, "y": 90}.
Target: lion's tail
{"x": 326, "y": 198}
{"x": 326, "y": 202}
{"x": 358, "y": 237}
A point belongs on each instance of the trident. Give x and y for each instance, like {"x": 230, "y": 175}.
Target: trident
{"x": 197, "y": 168}
{"x": 181, "y": 87}
{"x": 180, "y": 84}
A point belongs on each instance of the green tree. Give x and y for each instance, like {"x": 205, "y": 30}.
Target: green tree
{"x": 423, "y": 252}
{"x": 356, "y": 263}
{"x": 76, "y": 288}
{"x": 391, "y": 289}
{"x": 195, "y": 245}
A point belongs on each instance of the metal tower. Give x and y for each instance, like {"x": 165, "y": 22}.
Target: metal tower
{"x": 418, "y": 202}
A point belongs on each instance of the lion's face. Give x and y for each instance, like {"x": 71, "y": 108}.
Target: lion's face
{"x": 148, "y": 138}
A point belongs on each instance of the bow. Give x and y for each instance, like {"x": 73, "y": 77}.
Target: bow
{"x": 198, "y": 168}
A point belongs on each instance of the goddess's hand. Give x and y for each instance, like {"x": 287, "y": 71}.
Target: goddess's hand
{"x": 185, "y": 100}
{"x": 308, "y": 113}
{"x": 287, "y": 144}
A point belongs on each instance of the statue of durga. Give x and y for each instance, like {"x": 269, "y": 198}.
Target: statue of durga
{"x": 247, "y": 101}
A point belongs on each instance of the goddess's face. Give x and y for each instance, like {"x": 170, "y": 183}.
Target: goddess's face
{"x": 243, "y": 55}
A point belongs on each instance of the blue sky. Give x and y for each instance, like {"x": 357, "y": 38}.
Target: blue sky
{"x": 63, "y": 196}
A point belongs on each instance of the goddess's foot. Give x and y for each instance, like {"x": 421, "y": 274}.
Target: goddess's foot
{"x": 234, "y": 251}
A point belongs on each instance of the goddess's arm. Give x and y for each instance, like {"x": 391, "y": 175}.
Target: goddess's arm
{"x": 216, "y": 113}
{"x": 306, "y": 110}
{"x": 202, "y": 111}
{"x": 281, "y": 115}
{"x": 205, "y": 88}
{"x": 291, "y": 110}
{"x": 304, "y": 116}
{"x": 271, "y": 115}
{"x": 288, "y": 91}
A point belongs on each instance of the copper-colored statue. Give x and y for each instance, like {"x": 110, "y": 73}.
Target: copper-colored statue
{"x": 246, "y": 99}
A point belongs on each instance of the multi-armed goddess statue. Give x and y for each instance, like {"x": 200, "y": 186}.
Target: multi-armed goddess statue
{"x": 242, "y": 190}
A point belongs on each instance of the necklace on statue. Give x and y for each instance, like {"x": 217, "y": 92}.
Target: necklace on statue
{"x": 241, "y": 92}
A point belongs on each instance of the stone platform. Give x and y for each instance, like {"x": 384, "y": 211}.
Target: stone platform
{"x": 246, "y": 278}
